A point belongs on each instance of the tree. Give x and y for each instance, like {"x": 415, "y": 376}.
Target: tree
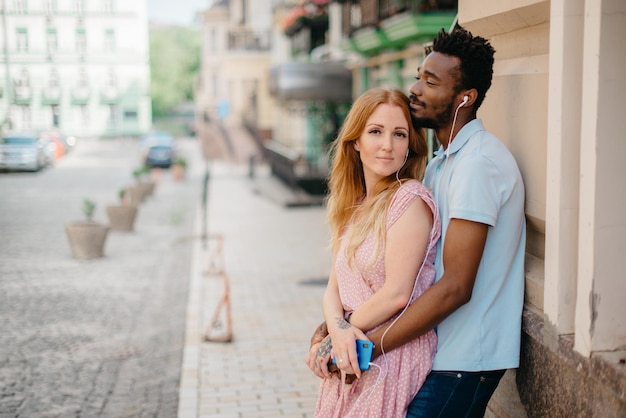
{"x": 174, "y": 64}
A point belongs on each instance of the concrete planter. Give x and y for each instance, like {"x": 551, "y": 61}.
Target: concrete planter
{"x": 139, "y": 192}
{"x": 87, "y": 239}
{"x": 178, "y": 172}
{"x": 134, "y": 195}
{"x": 122, "y": 217}
{"x": 147, "y": 187}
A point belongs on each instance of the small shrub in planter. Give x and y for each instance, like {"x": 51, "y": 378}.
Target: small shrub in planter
{"x": 87, "y": 238}
{"x": 179, "y": 168}
{"x": 122, "y": 216}
{"x": 143, "y": 184}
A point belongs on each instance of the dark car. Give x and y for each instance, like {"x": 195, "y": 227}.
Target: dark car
{"x": 158, "y": 150}
{"x": 23, "y": 152}
{"x": 160, "y": 156}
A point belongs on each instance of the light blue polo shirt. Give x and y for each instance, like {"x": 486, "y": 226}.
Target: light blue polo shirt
{"x": 480, "y": 182}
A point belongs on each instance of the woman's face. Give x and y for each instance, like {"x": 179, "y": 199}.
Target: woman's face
{"x": 383, "y": 144}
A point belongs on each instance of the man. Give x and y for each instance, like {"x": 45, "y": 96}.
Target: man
{"x": 477, "y": 299}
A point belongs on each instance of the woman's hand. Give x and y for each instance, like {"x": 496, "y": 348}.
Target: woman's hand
{"x": 344, "y": 338}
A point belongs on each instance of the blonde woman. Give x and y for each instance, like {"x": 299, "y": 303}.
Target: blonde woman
{"x": 384, "y": 230}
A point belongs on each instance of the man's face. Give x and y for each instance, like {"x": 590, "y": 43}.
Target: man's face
{"x": 433, "y": 95}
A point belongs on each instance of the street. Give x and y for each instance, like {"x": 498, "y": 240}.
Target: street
{"x": 100, "y": 337}
{"x": 123, "y": 335}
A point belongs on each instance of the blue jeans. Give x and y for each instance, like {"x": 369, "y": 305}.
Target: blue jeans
{"x": 454, "y": 394}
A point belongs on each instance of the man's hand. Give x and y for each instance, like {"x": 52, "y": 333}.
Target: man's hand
{"x": 318, "y": 358}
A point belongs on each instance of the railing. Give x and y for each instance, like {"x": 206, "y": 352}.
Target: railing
{"x": 368, "y": 13}
{"x": 248, "y": 40}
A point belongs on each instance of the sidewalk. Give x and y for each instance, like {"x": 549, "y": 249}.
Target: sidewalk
{"x": 275, "y": 261}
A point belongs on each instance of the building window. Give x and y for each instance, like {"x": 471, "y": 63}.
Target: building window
{"x": 51, "y": 7}
{"x": 83, "y": 115}
{"x": 215, "y": 86}
{"x": 81, "y": 41}
{"x": 53, "y": 81}
{"x": 82, "y": 79}
{"x": 25, "y": 116}
{"x": 80, "y": 95}
{"x": 21, "y": 6}
{"x": 108, "y": 6}
{"x": 130, "y": 115}
{"x": 356, "y": 17}
{"x": 213, "y": 40}
{"x": 22, "y": 85}
{"x": 51, "y": 40}
{"x": 110, "y": 81}
{"x": 109, "y": 40}
{"x": 79, "y": 7}
{"x": 109, "y": 90}
{"x": 22, "y": 40}
{"x": 112, "y": 115}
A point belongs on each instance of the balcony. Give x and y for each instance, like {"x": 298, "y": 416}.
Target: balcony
{"x": 109, "y": 95}
{"x": 22, "y": 95}
{"x": 248, "y": 40}
{"x": 51, "y": 96}
{"x": 325, "y": 81}
{"x": 80, "y": 96}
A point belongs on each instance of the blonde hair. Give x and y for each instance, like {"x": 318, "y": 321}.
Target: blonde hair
{"x": 346, "y": 180}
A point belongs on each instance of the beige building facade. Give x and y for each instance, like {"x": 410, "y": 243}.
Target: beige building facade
{"x": 555, "y": 101}
{"x": 232, "y": 86}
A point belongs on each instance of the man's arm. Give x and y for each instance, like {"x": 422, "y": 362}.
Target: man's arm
{"x": 463, "y": 249}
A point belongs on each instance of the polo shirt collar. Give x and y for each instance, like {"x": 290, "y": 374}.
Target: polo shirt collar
{"x": 461, "y": 138}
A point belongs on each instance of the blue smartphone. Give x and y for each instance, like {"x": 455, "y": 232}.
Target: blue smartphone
{"x": 364, "y": 351}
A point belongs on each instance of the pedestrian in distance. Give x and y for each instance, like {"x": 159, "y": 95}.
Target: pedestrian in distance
{"x": 384, "y": 231}
{"x": 477, "y": 299}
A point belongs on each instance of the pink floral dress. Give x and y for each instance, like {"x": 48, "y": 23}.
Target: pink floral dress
{"x": 385, "y": 393}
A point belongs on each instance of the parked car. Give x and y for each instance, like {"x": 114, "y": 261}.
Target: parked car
{"x": 24, "y": 151}
{"x": 56, "y": 144}
{"x": 158, "y": 149}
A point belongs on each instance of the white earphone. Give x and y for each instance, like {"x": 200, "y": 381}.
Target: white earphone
{"x": 465, "y": 99}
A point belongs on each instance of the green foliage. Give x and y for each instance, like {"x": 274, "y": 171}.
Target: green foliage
{"x": 141, "y": 172}
{"x": 174, "y": 64}
{"x": 180, "y": 160}
{"x": 89, "y": 207}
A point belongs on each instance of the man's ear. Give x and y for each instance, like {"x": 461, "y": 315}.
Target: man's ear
{"x": 472, "y": 95}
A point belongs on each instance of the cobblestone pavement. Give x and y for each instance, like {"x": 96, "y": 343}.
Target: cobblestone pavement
{"x": 100, "y": 337}
{"x": 123, "y": 336}
{"x": 275, "y": 261}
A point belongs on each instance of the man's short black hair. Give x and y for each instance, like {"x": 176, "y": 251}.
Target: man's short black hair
{"x": 476, "y": 56}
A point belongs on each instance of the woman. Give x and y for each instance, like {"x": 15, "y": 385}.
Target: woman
{"x": 384, "y": 229}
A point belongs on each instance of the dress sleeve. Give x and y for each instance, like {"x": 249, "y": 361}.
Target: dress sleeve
{"x": 406, "y": 194}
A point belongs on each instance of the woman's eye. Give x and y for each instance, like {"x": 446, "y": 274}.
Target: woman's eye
{"x": 374, "y": 131}
{"x": 401, "y": 134}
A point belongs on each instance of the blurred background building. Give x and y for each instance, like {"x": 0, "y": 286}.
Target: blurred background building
{"x": 76, "y": 65}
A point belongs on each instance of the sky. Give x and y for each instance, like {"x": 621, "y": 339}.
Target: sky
{"x": 175, "y": 12}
